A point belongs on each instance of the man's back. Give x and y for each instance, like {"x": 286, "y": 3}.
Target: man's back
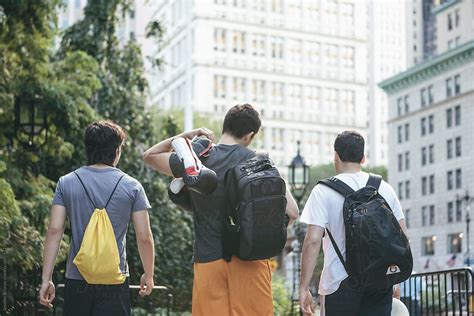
{"x": 209, "y": 210}
{"x": 99, "y": 182}
{"x": 324, "y": 209}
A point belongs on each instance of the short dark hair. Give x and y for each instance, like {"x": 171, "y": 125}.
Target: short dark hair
{"x": 102, "y": 139}
{"x": 240, "y": 120}
{"x": 349, "y": 145}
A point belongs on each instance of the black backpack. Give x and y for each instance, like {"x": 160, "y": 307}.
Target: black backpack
{"x": 378, "y": 253}
{"x": 256, "y": 220}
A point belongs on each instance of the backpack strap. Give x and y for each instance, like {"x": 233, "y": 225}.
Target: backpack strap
{"x": 337, "y": 185}
{"x": 338, "y": 252}
{"x": 374, "y": 181}
{"x": 88, "y": 195}
{"x": 113, "y": 191}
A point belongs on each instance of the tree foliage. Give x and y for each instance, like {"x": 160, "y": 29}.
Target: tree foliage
{"x": 91, "y": 76}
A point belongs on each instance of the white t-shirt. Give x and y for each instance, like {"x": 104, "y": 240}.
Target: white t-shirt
{"x": 324, "y": 209}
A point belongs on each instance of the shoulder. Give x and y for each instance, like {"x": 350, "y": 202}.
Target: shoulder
{"x": 130, "y": 181}
{"x": 387, "y": 191}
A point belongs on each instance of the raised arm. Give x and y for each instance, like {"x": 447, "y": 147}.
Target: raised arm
{"x": 292, "y": 208}
{"x": 158, "y": 156}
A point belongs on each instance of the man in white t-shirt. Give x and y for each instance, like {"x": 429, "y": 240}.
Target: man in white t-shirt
{"x": 324, "y": 210}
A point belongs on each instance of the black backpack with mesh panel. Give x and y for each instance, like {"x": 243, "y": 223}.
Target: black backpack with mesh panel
{"x": 378, "y": 253}
{"x": 256, "y": 220}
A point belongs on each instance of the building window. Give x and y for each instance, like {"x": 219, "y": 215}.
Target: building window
{"x": 455, "y": 243}
{"x": 407, "y": 132}
{"x": 431, "y": 124}
{"x": 424, "y": 183}
{"x": 431, "y": 153}
{"x": 427, "y": 245}
{"x": 407, "y": 105}
{"x": 423, "y": 97}
{"x": 449, "y": 178}
{"x": 399, "y": 106}
{"x": 407, "y": 160}
{"x": 449, "y": 118}
{"x": 458, "y": 147}
{"x": 450, "y": 44}
{"x": 450, "y": 22}
{"x": 407, "y": 189}
{"x": 450, "y": 212}
{"x": 407, "y": 218}
{"x": 400, "y": 190}
{"x": 449, "y": 87}
{"x": 400, "y": 133}
{"x": 400, "y": 162}
{"x": 424, "y": 216}
{"x": 432, "y": 215}
{"x": 449, "y": 147}
{"x": 457, "y": 115}
{"x": 457, "y": 17}
{"x": 432, "y": 184}
{"x": 458, "y": 211}
{"x": 457, "y": 84}
{"x": 423, "y": 156}
{"x": 423, "y": 126}
{"x": 430, "y": 94}
{"x": 458, "y": 178}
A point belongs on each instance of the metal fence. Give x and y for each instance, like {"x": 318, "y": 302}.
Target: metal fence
{"x": 447, "y": 292}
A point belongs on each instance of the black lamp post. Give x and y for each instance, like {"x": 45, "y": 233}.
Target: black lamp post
{"x": 467, "y": 199}
{"x": 298, "y": 178}
{"x": 30, "y": 119}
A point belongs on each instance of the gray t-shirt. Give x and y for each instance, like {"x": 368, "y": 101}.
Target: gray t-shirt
{"x": 99, "y": 182}
{"x": 209, "y": 210}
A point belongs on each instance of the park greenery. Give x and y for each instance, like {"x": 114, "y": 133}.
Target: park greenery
{"x": 76, "y": 77}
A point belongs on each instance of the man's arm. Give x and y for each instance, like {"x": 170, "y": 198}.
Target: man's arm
{"x": 309, "y": 257}
{"x": 146, "y": 249}
{"x": 158, "y": 156}
{"x": 291, "y": 207}
{"x": 51, "y": 248}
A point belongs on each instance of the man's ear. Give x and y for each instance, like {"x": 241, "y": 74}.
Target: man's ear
{"x": 249, "y": 137}
{"x": 363, "y": 160}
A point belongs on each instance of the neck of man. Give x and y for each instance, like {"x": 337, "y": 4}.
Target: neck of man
{"x": 350, "y": 167}
{"x": 100, "y": 166}
{"x": 228, "y": 139}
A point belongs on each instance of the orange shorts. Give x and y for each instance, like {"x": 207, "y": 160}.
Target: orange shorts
{"x": 236, "y": 288}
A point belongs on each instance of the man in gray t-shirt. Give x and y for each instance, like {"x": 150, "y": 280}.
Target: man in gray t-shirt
{"x": 222, "y": 287}
{"x": 98, "y": 185}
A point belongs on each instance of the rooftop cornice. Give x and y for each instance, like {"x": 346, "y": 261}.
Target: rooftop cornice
{"x": 429, "y": 68}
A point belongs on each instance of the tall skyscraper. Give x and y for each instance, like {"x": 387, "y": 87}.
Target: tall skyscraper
{"x": 387, "y": 57}
{"x": 420, "y": 30}
{"x": 302, "y": 63}
{"x": 431, "y": 142}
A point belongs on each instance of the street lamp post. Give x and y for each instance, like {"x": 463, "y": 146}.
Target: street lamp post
{"x": 30, "y": 119}
{"x": 298, "y": 178}
{"x": 467, "y": 199}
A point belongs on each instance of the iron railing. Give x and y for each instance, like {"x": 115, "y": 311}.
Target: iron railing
{"x": 169, "y": 295}
{"x": 437, "y": 293}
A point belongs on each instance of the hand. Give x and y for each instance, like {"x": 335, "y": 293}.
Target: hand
{"x": 146, "y": 285}
{"x": 47, "y": 293}
{"x": 306, "y": 302}
{"x": 199, "y": 132}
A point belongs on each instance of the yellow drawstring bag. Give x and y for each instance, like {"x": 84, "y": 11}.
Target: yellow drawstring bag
{"x": 98, "y": 259}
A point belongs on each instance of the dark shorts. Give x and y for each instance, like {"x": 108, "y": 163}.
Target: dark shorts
{"x": 84, "y": 299}
{"x": 348, "y": 301}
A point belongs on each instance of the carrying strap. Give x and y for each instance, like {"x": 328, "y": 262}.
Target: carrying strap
{"x": 88, "y": 195}
{"x": 374, "y": 181}
{"x": 338, "y": 252}
{"x": 337, "y": 185}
